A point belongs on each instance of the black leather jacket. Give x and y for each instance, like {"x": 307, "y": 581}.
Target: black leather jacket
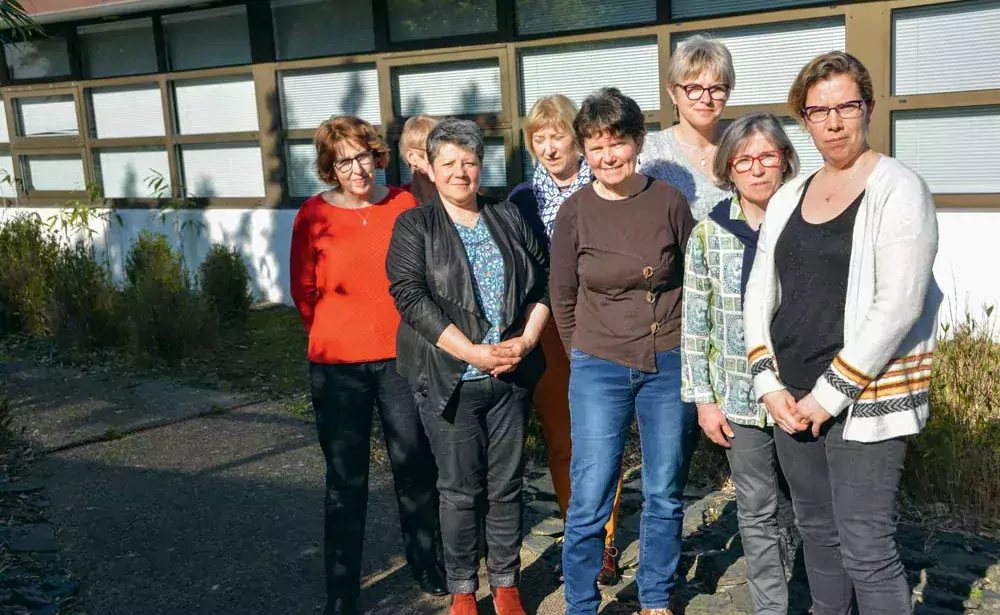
{"x": 431, "y": 282}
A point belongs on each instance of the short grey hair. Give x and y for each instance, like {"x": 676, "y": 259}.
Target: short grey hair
{"x": 453, "y": 131}
{"x": 742, "y": 130}
{"x": 698, "y": 54}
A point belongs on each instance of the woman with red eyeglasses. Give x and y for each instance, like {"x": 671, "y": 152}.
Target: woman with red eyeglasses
{"x": 754, "y": 158}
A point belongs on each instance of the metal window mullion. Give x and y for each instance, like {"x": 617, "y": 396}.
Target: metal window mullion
{"x": 83, "y": 127}
{"x": 169, "y": 130}
{"x": 269, "y": 139}
{"x": 160, "y": 45}
{"x": 867, "y": 37}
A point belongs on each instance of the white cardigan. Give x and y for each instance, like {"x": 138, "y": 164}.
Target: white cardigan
{"x": 882, "y": 376}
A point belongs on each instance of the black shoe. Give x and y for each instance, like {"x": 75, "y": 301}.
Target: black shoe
{"x": 431, "y": 582}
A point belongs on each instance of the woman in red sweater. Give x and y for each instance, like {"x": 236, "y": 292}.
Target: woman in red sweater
{"x": 339, "y": 285}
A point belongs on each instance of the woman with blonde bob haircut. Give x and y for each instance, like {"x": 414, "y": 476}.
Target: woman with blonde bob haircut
{"x": 413, "y": 152}
{"x": 560, "y": 170}
{"x": 840, "y": 318}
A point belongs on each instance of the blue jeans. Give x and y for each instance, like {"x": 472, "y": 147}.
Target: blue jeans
{"x": 603, "y": 397}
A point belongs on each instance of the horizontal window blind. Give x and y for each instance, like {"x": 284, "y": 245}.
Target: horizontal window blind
{"x": 53, "y": 172}
{"x": 48, "y": 116}
{"x": 202, "y": 39}
{"x": 931, "y": 143}
{"x": 124, "y": 173}
{"x": 424, "y": 19}
{"x": 211, "y": 106}
{"x": 630, "y": 65}
{"x": 314, "y": 28}
{"x": 4, "y": 128}
{"x": 685, "y": 9}
{"x": 494, "y": 166}
{"x": 954, "y": 47}
{"x": 768, "y": 57}
{"x": 38, "y": 59}
{"x": 300, "y": 168}
{"x": 460, "y": 88}
{"x": 122, "y": 48}
{"x": 809, "y": 157}
{"x": 220, "y": 170}
{"x": 309, "y": 98}
{"x": 7, "y": 190}
{"x": 542, "y": 16}
{"x": 127, "y": 111}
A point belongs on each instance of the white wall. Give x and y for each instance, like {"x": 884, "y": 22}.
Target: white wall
{"x": 968, "y": 264}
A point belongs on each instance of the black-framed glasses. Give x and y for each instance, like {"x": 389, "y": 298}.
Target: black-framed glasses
{"x": 366, "y": 159}
{"x": 694, "y": 91}
{"x": 850, "y": 110}
{"x": 768, "y": 160}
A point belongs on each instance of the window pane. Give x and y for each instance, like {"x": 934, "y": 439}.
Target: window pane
{"x": 53, "y": 172}
{"x": 115, "y": 49}
{"x": 48, "y": 116}
{"x": 541, "y": 16}
{"x": 313, "y": 28}
{"x": 767, "y": 58}
{"x": 809, "y": 157}
{"x": 37, "y": 59}
{"x": 124, "y": 173}
{"x": 928, "y": 57}
{"x": 209, "y": 106}
{"x": 202, "y": 39}
{"x": 494, "y": 166}
{"x": 127, "y": 111}
{"x": 460, "y": 88}
{"x": 4, "y": 129}
{"x": 310, "y": 97}
{"x": 681, "y": 9}
{"x": 579, "y": 70}
{"x": 926, "y": 142}
{"x": 222, "y": 170}
{"x": 411, "y": 20}
{"x": 7, "y": 177}
{"x": 300, "y": 168}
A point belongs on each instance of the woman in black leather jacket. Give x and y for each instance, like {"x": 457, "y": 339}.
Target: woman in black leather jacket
{"x": 469, "y": 279}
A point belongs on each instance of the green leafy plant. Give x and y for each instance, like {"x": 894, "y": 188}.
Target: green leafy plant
{"x": 15, "y": 23}
{"x": 77, "y": 220}
{"x": 86, "y": 309}
{"x": 224, "y": 280}
{"x": 172, "y": 207}
{"x": 28, "y": 257}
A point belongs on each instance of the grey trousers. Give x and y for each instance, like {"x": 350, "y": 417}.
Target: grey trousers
{"x": 763, "y": 507}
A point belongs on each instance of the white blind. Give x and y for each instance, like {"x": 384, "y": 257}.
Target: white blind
{"x": 300, "y": 167}
{"x": 48, "y": 116}
{"x": 7, "y": 190}
{"x": 682, "y": 9}
{"x": 37, "y": 59}
{"x": 222, "y": 170}
{"x": 494, "y": 166}
{"x": 410, "y": 20}
{"x": 460, "y": 88}
{"x": 127, "y": 111}
{"x": 938, "y": 144}
{"x": 313, "y": 28}
{"x": 211, "y": 106}
{"x": 122, "y": 48}
{"x": 309, "y": 98}
{"x": 542, "y": 16}
{"x": 124, "y": 173}
{"x": 630, "y": 65}
{"x": 53, "y": 172}
{"x": 949, "y": 48}
{"x": 4, "y": 129}
{"x": 202, "y": 39}
{"x": 809, "y": 157}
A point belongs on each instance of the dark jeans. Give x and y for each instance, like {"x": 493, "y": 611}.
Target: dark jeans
{"x": 478, "y": 443}
{"x": 343, "y": 397}
{"x": 844, "y": 495}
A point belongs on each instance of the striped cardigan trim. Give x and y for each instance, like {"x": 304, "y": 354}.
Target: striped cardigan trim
{"x": 904, "y": 377}
{"x": 757, "y": 353}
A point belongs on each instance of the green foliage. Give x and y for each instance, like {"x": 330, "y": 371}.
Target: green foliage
{"x": 151, "y": 258}
{"x": 85, "y": 309}
{"x": 76, "y": 220}
{"x": 224, "y": 280}
{"x": 15, "y": 23}
{"x": 28, "y": 257}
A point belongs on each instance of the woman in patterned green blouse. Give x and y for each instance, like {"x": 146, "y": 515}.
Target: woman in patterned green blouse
{"x": 758, "y": 158}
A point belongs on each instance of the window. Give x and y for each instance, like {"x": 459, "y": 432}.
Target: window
{"x": 123, "y": 173}
{"x": 310, "y": 97}
{"x": 7, "y": 190}
{"x": 926, "y": 142}
{"x": 37, "y": 59}
{"x": 460, "y": 88}
{"x": 631, "y": 65}
{"x": 543, "y": 16}
{"x": 412, "y": 20}
{"x": 313, "y": 28}
{"x": 494, "y": 166}
{"x": 48, "y": 116}
{"x": 949, "y": 48}
{"x": 202, "y": 39}
{"x": 114, "y": 49}
{"x": 128, "y": 111}
{"x": 300, "y": 168}
{"x": 222, "y": 170}
{"x": 62, "y": 172}
{"x": 768, "y": 57}
{"x": 4, "y": 129}
{"x": 209, "y": 106}
{"x": 685, "y": 9}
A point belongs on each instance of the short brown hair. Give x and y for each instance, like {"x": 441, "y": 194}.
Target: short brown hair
{"x": 825, "y": 67}
{"x": 415, "y": 132}
{"x": 342, "y": 128}
{"x": 609, "y": 110}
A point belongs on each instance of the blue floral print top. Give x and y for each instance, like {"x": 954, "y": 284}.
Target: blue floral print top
{"x": 488, "y": 281}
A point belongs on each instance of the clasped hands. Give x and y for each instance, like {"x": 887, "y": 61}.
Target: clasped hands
{"x": 788, "y": 415}
{"x": 497, "y": 359}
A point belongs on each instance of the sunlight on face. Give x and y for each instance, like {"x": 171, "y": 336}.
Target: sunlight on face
{"x": 758, "y": 184}
{"x": 613, "y": 158}
{"x": 555, "y": 148}
{"x": 837, "y": 139}
{"x": 359, "y": 180}
{"x": 456, "y": 172}
{"x": 705, "y": 111}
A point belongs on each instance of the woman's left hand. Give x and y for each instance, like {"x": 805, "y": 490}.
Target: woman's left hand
{"x": 515, "y": 348}
{"x": 809, "y": 409}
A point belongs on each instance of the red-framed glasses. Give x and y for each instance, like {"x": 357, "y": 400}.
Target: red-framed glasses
{"x": 770, "y": 160}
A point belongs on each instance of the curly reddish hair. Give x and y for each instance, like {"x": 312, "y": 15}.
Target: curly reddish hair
{"x": 339, "y": 129}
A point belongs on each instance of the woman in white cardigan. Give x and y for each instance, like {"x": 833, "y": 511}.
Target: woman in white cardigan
{"x": 840, "y": 317}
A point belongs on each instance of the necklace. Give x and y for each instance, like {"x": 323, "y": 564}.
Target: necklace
{"x": 364, "y": 219}
{"x": 858, "y": 165}
{"x": 698, "y": 151}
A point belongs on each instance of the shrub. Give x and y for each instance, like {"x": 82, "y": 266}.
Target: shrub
{"x": 28, "y": 255}
{"x": 150, "y": 258}
{"x": 85, "y": 309}
{"x": 225, "y": 282}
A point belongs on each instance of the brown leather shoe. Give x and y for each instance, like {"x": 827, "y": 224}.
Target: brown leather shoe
{"x": 609, "y": 568}
{"x": 507, "y": 601}
{"x": 463, "y": 604}
{"x": 657, "y": 612}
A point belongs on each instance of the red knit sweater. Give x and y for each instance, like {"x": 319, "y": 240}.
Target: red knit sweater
{"x": 338, "y": 278}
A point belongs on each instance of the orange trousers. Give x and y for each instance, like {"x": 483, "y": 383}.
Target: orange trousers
{"x": 552, "y": 404}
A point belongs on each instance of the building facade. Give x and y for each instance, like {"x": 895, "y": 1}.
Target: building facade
{"x": 155, "y": 103}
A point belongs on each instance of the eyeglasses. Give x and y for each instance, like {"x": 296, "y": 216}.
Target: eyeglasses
{"x": 366, "y": 159}
{"x": 694, "y": 91}
{"x": 769, "y": 160}
{"x": 850, "y": 110}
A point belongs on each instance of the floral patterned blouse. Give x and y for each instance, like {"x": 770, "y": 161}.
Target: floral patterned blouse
{"x": 488, "y": 281}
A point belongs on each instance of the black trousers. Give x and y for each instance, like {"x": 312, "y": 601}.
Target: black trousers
{"x": 478, "y": 443}
{"x": 343, "y": 397}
